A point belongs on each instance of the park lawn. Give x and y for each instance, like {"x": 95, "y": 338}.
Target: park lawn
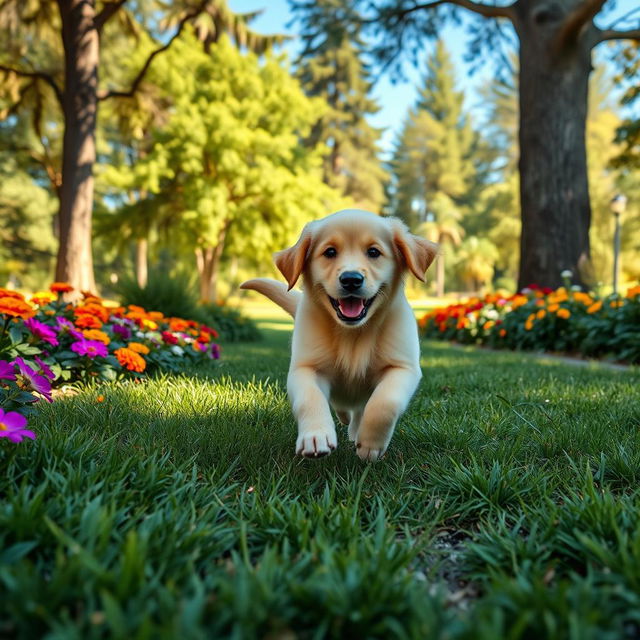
{"x": 506, "y": 507}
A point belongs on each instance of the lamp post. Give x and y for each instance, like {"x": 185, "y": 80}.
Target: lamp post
{"x": 618, "y": 205}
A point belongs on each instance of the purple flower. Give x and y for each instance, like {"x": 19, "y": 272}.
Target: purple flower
{"x": 123, "y": 332}
{"x": 7, "y": 370}
{"x": 12, "y": 426}
{"x": 215, "y": 351}
{"x": 90, "y": 348}
{"x": 42, "y": 331}
{"x": 66, "y": 326}
{"x": 44, "y": 369}
{"x": 33, "y": 380}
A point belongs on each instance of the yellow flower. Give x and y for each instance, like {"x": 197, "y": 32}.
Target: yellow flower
{"x": 596, "y": 306}
{"x": 564, "y": 313}
{"x": 149, "y": 324}
{"x": 138, "y": 347}
{"x": 541, "y": 314}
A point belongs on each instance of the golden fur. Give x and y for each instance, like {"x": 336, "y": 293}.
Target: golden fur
{"x": 366, "y": 368}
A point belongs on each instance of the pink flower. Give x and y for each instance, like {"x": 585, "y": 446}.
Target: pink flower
{"x": 12, "y": 426}
{"x": 44, "y": 369}
{"x": 42, "y": 331}
{"x": 7, "y": 370}
{"x": 90, "y": 348}
{"x": 33, "y": 380}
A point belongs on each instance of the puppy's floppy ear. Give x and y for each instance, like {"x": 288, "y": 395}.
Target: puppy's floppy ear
{"x": 291, "y": 261}
{"x": 417, "y": 252}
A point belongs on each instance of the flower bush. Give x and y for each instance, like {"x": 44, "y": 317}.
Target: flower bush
{"x": 545, "y": 320}
{"x": 46, "y": 342}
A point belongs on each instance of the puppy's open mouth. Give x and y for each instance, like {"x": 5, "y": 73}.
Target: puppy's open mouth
{"x": 351, "y": 309}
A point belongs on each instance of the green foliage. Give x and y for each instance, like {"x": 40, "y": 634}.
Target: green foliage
{"x": 27, "y": 243}
{"x": 332, "y": 66}
{"x": 229, "y": 323}
{"x": 174, "y": 294}
{"x": 175, "y": 507}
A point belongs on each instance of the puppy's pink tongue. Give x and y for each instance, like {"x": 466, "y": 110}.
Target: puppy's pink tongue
{"x": 351, "y": 307}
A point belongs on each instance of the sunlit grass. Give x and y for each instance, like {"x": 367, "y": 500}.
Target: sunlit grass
{"x": 507, "y": 506}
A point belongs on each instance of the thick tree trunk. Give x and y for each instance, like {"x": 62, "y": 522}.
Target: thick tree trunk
{"x": 142, "y": 262}
{"x": 208, "y": 261}
{"x": 81, "y": 48}
{"x": 554, "y": 192}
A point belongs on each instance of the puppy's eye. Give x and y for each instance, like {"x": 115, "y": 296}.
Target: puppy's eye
{"x": 372, "y": 252}
{"x": 330, "y": 253}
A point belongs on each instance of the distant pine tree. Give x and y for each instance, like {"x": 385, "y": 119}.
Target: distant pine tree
{"x": 331, "y": 65}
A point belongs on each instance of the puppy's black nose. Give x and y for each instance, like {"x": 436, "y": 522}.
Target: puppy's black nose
{"x": 351, "y": 280}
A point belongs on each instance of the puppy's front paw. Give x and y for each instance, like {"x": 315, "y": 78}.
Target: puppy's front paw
{"x": 316, "y": 443}
{"x": 370, "y": 450}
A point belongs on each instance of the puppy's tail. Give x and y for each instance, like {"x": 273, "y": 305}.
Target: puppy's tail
{"x": 276, "y": 291}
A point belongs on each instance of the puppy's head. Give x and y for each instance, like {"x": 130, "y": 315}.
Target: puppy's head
{"x": 353, "y": 261}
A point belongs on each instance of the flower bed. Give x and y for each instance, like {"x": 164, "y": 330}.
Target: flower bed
{"x": 46, "y": 342}
{"x": 544, "y": 320}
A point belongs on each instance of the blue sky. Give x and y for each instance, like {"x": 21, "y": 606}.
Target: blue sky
{"x": 395, "y": 99}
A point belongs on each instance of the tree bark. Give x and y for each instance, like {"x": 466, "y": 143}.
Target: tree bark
{"x": 208, "y": 262}
{"x": 81, "y": 48}
{"x": 142, "y": 262}
{"x": 554, "y": 191}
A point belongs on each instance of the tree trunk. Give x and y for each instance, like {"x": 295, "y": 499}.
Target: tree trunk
{"x": 208, "y": 261}
{"x": 142, "y": 262}
{"x": 554, "y": 192}
{"x": 81, "y": 49}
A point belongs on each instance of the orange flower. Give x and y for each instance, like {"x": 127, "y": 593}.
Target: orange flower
{"x": 10, "y": 293}
{"x": 136, "y": 309}
{"x": 552, "y": 308}
{"x": 100, "y": 398}
{"x": 541, "y": 314}
{"x": 488, "y": 324}
{"x": 95, "y": 334}
{"x": 130, "y": 360}
{"x": 564, "y": 313}
{"x": 502, "y": 333}
{"x": 616, "y": 304}
{"x": 16, "y": 307}
{"x": 93, "y": 309}
{"x": 61, "y": 287}
{"x": 178, "y": 324}
{"x": 86, "y": 321}
{"x": 633, "y": 292}
{"x": 204, "y": 337}
{"x": 138, "y": 347}
{"x": 596, "y": 306}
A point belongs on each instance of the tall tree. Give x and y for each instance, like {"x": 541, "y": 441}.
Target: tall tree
{"x": 332, "y": 66}
{"x": 555, "y": 44}
{"x": 228, "y": 163}
{"x": 432, "y": 166}
{"x": 74, "y": 31}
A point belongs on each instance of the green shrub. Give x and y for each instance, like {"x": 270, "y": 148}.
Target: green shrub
{"x": 229, "y": 323}
{"x": 172, "y": 294}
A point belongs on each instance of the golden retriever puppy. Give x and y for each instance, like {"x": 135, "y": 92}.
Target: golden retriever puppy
{"x": 355, "y": 340}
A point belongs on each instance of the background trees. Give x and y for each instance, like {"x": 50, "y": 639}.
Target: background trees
{"x": 157, "y": 129}
{"x": 555, "y": 43}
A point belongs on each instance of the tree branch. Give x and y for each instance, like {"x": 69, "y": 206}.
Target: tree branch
{"x": 612, "y": 34}
{"x": 107, "y": 11}
{"x": 576, "y": 21}
{"x": 39, "y": 75}
{"x": 485, "y": 10}
{"x": 104, "y": 95}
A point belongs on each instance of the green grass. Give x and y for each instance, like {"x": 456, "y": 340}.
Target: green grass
{"x": 506, "y": 507}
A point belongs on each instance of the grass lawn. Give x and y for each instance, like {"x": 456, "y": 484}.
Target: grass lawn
{"x": 506, "y": 507}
